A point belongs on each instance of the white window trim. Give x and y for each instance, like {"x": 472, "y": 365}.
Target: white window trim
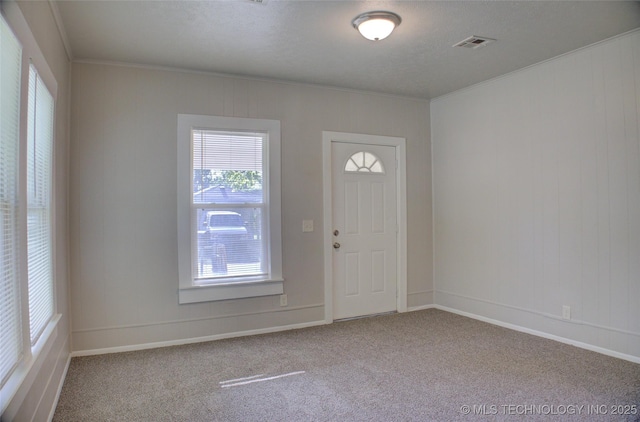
{"x": 272, "y": 283}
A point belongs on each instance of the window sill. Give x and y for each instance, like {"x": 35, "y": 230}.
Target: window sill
{"x": 25, "y": 373}
{"x": 232, "y": 290}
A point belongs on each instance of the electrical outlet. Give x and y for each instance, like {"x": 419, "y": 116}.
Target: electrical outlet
{"x": 283, "y": 300}
{"x": 566, "y": 312}
{"x": 307, "y": 226}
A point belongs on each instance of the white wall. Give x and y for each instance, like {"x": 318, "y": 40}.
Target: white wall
{"x": 37, "y": 394}
{"x": 537, "y": 197}
{"x": 124, "y": 278}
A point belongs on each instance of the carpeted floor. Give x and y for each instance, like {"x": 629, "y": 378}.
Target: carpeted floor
{"x": 419, "y": 366}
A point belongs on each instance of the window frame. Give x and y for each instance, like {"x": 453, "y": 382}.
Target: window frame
{"x": 190, "y": 290}
{"x": 31, "y": 352}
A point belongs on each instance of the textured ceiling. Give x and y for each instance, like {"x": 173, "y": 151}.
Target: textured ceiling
{"x": 314, "y": 42}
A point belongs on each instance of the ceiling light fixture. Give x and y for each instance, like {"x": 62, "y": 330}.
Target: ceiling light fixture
{"x": 376, "y": 26}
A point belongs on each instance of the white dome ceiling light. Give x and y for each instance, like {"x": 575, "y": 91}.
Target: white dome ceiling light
{"x": 376, "y": 26}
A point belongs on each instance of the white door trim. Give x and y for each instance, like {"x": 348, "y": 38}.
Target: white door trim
{"x": 401, "y": 180}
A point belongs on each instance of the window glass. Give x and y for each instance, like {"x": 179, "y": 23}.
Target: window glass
{"x": 363, "y": 162}
{"x": 10, "y": 321}
{"x": 227, "y": 177}
{"x": 39, "y": 187}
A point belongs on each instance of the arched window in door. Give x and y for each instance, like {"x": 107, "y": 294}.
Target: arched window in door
{"x": 364, "y": 162}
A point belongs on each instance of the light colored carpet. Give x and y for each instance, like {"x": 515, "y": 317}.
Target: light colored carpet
{"x": 418, "y": 366}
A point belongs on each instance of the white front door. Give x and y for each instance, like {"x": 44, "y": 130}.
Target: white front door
{"x": 364, "y": 229}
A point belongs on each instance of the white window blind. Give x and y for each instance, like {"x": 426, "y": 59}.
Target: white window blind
{"x": 39, "y": 186}
{"x": 227, "y": 150}
{"x": 229, "y": 205}
{"x": 10, "y": 321}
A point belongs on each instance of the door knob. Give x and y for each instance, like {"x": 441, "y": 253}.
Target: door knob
{"x": 336, "y": 245}
{"x": 336, "y": 232}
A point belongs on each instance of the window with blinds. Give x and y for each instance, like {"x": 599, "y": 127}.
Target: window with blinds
{"x": 39, "y": 190}
{"x": 27, "y": 305}
{"x": 10, "y": 321}
{"x": 228, "y": 204}
{"x": 229, "y": 222}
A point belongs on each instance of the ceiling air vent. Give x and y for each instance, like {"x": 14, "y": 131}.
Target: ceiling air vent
{"x": 474, "y": 41}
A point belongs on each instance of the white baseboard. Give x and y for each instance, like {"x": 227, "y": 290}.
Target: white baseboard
{"x": 420, "y": 308}
{"x": 515, "y": 327}
{"x": 180, "y": 342}
{"x": 586, "y": 346}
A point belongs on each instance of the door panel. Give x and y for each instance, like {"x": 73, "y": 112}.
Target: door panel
{"x": 364, "y": 215}
{"x": 377, "y": 208}
{"x": 352, "y": 274}
{"x": 351, "y": 208}
{"x": 378, "y": 279}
